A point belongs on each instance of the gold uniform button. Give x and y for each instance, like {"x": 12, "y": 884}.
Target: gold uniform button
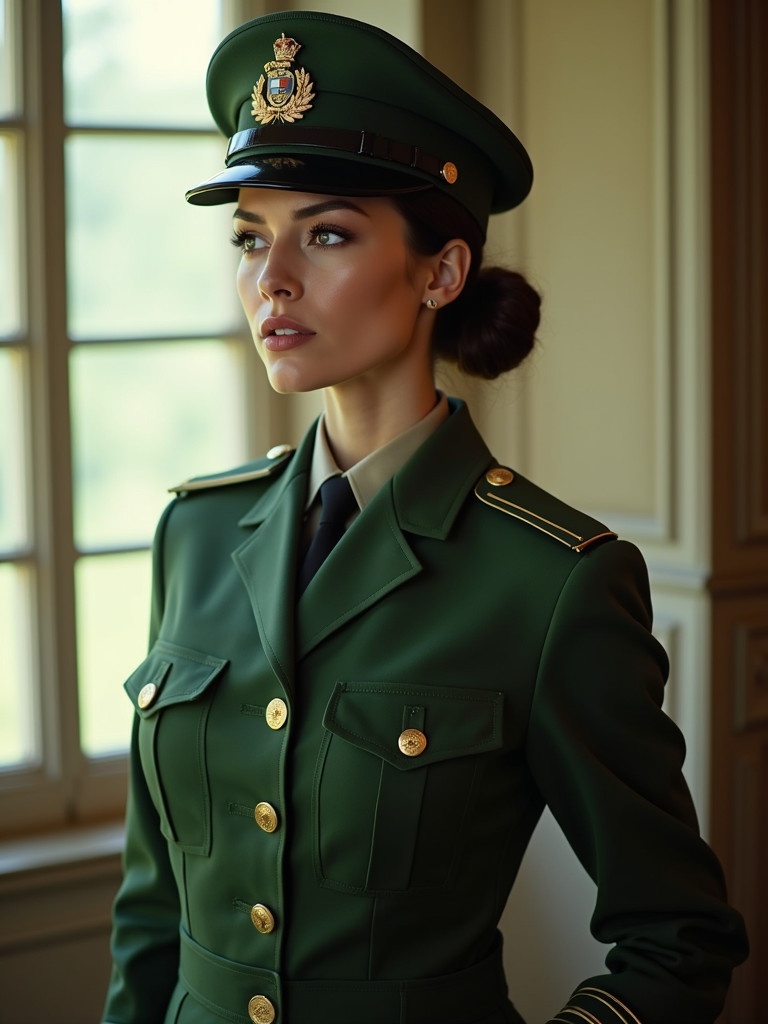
{"x": 278, "y": 450}
{"x": 266, "y": 816}
{"x": 412, "y": 742}
{"x": 261, "y": 1010}
{"x": 263, "y": 919}
{"x": 450, "y": 172}
{"x": 147, "y": 695}
{"x": 277, "y": 713}
{"x": 499, "y": 476}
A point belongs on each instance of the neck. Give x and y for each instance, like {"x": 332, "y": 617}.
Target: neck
{"x": 358, "y": 422}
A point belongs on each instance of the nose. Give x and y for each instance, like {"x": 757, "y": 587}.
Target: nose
{"x": 279, "y": 276}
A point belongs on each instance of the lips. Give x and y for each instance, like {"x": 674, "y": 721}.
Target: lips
{"x": 282, "y": 326}
{"x": 280, "y": 333}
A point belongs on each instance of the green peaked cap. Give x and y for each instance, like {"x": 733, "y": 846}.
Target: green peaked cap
{"x": 314, "y": 102}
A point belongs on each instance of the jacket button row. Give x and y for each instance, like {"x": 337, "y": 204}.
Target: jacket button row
{"x": 263, "y": 919}
{"x": 277, "y": 713}
{"x": 261, "y": 1010}
{"x": 266, "y": 816}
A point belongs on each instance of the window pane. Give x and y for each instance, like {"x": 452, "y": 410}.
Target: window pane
{"x": 138, "y": 63}
{"x": 8, "y": 68}
{"x": 13, "y": 532}
{"x": 141, "y": 260}
{"x": 144, "y": 418}
{"x": 113, "y": 598}
{"x": 9, "y": 256}
{"x": 17, "y": 705}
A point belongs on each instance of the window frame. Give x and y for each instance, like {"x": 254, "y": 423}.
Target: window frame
{"x": 66, "y": 788}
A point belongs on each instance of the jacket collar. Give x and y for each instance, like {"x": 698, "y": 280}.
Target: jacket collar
{"x": 373, "y": 558}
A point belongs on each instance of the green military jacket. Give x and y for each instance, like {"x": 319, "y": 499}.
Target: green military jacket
{"x": 330, "y": 797}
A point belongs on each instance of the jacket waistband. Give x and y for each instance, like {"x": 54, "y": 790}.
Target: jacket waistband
{"x": 226, "y": 988}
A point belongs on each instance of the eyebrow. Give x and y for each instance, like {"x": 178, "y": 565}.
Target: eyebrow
{"x": 304, "y": 211}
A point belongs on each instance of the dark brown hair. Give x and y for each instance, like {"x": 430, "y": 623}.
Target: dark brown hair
{"x": 491, "y": 327}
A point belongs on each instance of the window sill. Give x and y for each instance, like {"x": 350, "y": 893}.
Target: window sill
{"x": 54, "y": 850}
{"x": 58, "y": 888}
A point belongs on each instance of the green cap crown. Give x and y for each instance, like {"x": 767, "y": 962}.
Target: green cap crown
{"x": 315, "y": 102}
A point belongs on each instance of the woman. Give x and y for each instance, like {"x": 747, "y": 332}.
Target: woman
{"x": 340, "y": 752}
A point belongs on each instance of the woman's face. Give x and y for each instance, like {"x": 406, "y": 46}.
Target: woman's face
{"x": 331, "y": 289}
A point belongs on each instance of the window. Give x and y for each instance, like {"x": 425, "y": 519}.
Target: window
{"x": 124, "y": 367}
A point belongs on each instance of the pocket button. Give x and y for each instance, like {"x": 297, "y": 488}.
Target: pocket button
{"x": 412, "y": 742}
{"x": 147, "y": 695}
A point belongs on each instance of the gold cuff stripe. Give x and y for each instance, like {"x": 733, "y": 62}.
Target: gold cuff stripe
{"x": 584, "y": 1015}
{"x": 601, "y": 996}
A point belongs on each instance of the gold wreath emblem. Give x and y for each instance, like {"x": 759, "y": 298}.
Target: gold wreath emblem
{"x": 293, "y": 110}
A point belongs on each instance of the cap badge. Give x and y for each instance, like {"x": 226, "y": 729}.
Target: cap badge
{"x": 279, "y": 94}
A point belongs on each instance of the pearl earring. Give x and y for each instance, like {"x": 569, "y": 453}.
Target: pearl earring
{"x": 431, "y": 304}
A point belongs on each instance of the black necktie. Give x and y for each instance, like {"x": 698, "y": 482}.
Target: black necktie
{"x": 338, "y": 504}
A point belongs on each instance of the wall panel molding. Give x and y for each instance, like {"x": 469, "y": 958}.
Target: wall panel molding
{"x": 740, "y": 272}
{"x": 675, "y": 536}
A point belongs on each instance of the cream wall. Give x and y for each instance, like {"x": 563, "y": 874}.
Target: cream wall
{"x": 611, "y": 413}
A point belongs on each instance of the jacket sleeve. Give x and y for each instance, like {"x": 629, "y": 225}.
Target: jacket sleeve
{"x": 608, "y": 762}
{"x": 145, "y": 929}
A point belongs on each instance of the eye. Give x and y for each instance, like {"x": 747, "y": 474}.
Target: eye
{"x": 327, "y": 235}
{"x": 247, "y": 242}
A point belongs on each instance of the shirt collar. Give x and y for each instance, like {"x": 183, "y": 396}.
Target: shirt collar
{"x": 368, "y": 475}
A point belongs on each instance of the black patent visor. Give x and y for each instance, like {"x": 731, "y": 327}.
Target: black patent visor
{"x": 305, "y": 173}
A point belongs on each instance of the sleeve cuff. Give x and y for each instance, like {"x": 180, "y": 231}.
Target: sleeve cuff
{"x": 591, "y": 1005}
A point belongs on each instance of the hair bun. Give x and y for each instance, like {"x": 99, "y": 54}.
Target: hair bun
{"x": 491, "y": 327}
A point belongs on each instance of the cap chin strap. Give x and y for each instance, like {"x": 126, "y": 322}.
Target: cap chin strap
{"x": 361, "y": 143}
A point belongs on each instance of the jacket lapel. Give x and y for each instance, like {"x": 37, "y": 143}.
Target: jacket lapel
{"x": 372, "y": 559}
{"x": 375, "y": 557}
{"x": 267, "y": 560}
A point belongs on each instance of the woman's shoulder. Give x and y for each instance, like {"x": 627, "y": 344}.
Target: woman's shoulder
{"x": 270, "y": 465}
{"x": 512, "y": 494}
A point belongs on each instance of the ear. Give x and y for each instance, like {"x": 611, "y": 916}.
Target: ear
{"x": 449, "y": 272}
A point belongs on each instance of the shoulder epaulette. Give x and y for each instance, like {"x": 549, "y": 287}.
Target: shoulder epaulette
{"x": 275, "y": 459}
{"x": 512, "y": 494}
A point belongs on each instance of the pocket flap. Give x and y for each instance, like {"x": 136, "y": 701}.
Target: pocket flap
{"x": 171, "y": 675}
{"x": 455, "y": 722}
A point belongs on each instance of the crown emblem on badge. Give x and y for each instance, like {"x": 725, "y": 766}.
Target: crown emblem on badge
{"x": 280, "y": 94}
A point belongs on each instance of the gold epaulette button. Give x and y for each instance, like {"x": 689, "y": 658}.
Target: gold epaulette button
{"x": 278, "y": 450}
{"x": 499, "y": 476}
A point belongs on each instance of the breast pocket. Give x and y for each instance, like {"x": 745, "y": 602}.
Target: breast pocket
{"x": 394, "y": 782}
{"x": 172, "y": 691}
